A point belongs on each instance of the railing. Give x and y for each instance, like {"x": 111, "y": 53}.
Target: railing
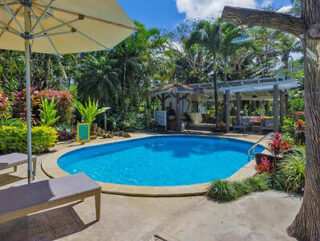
{"x": 251, "y": 152}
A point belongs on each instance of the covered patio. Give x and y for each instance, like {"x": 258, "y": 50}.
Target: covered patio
{"x": 181, "y": 102}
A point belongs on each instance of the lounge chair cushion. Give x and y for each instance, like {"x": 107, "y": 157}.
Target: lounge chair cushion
{"x": 28, "y": 195}
{"x": 14, "y": 159}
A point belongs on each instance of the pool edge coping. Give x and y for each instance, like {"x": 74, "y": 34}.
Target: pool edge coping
{"x": 51, "y": 168}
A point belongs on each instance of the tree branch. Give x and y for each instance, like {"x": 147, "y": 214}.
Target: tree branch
{"x": 270, "y": 19}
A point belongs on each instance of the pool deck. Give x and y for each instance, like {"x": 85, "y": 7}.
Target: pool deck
{"x": 261, "y": 216}
{"x": 51, "y": 168}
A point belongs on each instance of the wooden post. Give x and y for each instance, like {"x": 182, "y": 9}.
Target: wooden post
{"x": 276, "y": 108}
{"x": 178, "y": 111}
{"x": 281, "y": 108}
{"x": 228, "y": 110}
{"x": 163, "y": 102}
{"x": 238, "y": 107}
{"x": 286, "y": 103}
{"x": 98, "y": 205}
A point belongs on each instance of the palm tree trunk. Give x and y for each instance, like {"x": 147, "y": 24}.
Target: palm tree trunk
{"x": 216, "y": 103}
{"x": 225, "y": 77}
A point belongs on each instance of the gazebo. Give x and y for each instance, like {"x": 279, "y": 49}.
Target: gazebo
{"x": 180, "y": 93}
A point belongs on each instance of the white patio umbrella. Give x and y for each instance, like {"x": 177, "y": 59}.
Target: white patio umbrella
{"x": 60, "y": 27}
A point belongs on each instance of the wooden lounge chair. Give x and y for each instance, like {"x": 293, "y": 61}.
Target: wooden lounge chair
{"x": 19, "y": 201}
{"x": 16, "y": 159}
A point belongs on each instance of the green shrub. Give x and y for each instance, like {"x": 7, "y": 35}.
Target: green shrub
{"x": 229, "y": 191}
{"x": 257, "y": 184}
{"x": 289, "y": 127}
{"x": 222, "y": 191}
{"x": 260, "y": 111}
{"x": 14, "y": 139}
{"x": 13, "y": 122}
{"x": 275, "y": 182}
{"x": 292, "y": 171}
{"x": 241, "y": 188}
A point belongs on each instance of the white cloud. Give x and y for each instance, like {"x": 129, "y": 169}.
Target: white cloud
{"x": 202, "y": 9}
{"x": 266, "y": 3}
{"x": 285, "y": 9}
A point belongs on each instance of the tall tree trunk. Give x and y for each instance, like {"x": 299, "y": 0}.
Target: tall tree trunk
{"x": 216, "y": 103}
{"x": 306, "y": 226}
{"x": 225, "y": 77}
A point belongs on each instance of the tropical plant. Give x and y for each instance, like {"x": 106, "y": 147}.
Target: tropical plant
{"x": 257, "y": 184}
{"x": 90, "y": 110}
{"x": 64, "y": 104}
{"x": 264, "y": 166}
{"x": 65, "y": 132}
{"x": 222, "y": 191}
{"x": 208, "y": 35}
{"x": 19, "y": 104}
{"x": 48, "y": 112}
{"x": 296, "y": 101}
{"x": 260, "y": 111}
{"x": 12, "y": 122}
{"x": 229, "y": 191}
{"x": 292, "y": 171}
{"x": 289, "y": 127}
{"x": 276, "y": 147}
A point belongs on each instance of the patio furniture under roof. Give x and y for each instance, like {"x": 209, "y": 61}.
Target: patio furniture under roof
{"x": 262, "y": 89}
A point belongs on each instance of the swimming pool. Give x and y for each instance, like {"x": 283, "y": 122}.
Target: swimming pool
{"x": 160, "y": 161}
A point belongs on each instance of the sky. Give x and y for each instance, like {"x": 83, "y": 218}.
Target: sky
{"x": 167, "y": 14}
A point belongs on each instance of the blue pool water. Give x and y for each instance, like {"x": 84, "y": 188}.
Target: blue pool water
{"x": 160, "y": 161}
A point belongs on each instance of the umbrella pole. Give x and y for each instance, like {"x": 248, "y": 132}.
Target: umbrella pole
{"x": 28, "y": 84}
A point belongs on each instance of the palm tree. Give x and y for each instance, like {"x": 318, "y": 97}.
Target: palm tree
{"x": 208, "y": 35}
{"x": 99, "y": 78}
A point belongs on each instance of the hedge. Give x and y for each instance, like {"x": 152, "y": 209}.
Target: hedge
{"x": 14, "y": 139}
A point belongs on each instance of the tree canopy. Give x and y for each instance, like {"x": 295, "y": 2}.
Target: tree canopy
{"x": 196, "y": 51}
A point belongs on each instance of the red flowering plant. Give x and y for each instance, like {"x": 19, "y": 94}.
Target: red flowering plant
{"x": 264, "y": 166}
{"x": 20, "y": 107}
{"x": 276, "y": 147}
{"x": 301, "y": 125}
{"x": 5, "y": 106}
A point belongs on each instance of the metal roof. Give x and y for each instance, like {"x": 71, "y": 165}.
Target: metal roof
{"x": 266, "y": 86}
{"x": 249, "y": 89}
